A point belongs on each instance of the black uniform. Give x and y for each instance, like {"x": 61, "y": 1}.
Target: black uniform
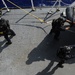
{"x": 5, "y": 28}
{"x": 56, "y": 27}
{"x": 64, "y": 54}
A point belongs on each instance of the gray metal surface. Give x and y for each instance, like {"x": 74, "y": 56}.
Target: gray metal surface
{"x": 33, "y": 51}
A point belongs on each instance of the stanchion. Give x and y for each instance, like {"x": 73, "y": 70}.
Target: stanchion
{"x": 59, "y": 5}
{"x": 41, "y": 20}
{"x": 5, "y": 5}
{"x": 33, "y": 9}
{"x": 50, "y": 12}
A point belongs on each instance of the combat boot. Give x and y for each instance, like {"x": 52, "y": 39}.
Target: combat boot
{"x": 9, "y": 42}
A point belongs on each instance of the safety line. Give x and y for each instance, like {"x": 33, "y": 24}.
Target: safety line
{"x": 41, "y": 20}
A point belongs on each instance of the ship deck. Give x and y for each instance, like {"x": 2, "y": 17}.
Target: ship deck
{"x": 33, "y": 51}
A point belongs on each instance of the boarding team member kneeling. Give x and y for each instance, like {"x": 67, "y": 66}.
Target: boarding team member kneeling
{"x": 5, "y": 29}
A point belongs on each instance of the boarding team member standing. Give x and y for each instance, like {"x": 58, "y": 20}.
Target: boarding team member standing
{"x": 56, "y": 27}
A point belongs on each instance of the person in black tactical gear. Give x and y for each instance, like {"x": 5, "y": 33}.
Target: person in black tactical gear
{"x": 64, "y": 54}
{"x": 56, "y": 27}
{"x": 5, "y": 28}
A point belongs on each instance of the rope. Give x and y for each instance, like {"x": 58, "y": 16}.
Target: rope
{"x": 41, "y": 20}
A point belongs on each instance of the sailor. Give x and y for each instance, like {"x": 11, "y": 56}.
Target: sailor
{"x": 64, "y": 54}
{"x": 56, "y": 27}
{"x": 5, "y": 28}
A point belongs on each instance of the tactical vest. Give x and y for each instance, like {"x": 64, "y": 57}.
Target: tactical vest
{"x": 3, "y": 25}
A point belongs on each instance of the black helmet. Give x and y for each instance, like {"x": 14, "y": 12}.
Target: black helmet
{"x": 60, "y": 19}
